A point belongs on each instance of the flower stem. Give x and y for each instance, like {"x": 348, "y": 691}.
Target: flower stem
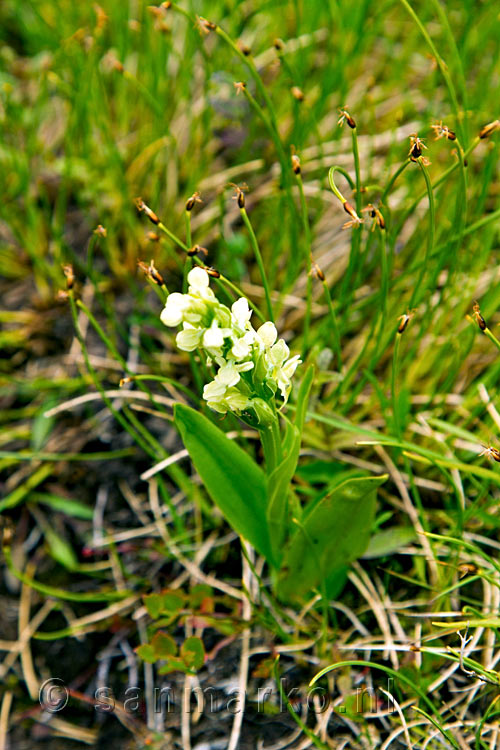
{"x": 307, "y": 261}
{"x": 260, "y": 262}
{"x": 394, "y": 395}
{"x": 188, "y": 263}
{"x": 357, "y": 169}
{"x": 269, "y": 448}
{"x": 336, "y": 335}
{"x": 417, "y": 291}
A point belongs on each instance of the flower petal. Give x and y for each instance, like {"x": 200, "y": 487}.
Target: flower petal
{"x": 268, "y": 333}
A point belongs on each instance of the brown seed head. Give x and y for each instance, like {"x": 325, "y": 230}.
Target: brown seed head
{"x": 296, "y": 164}
{"x": 405, "y": 319}
{"x": 350, "y": 210}
{"x": 467, "y": 569}
{"x": 492, "y": 453}
{"x": 192, "y": 200}
{"x": 245, "y": 49}
{"x": 70, "y": 277}
{"x": 488, "y": 129}
{"x": 102, "y": 18}
{"x": 297, "y": 93}
{"x": 416, "y": 146}
{"x": 442, "y": 131}
{"x": 355, "y": 220}
{"x": 478, "y": 317}
{"x": 125, "y": 381}
{"x": 346, "y": 117}
{"x": 240, "y": 87}
{"x": 204, "y": 26}
{"x": 374, "y": 213}
{"x": 240, "y": 195}
{"x": 151, "y": 272}
{"x": 141, "y": 206}
{"x": 279, "y": 45}
{"x": 117, "y": 65}
{"x": 153, "y": 236}
{"x": 196, "y": 250}
{"x": 212, "y": 272}
{"x": 318, "y": 272}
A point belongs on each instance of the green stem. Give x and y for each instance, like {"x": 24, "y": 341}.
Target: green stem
{"x": 270, "y": 438}
{"x": 440, "y": 62}
{"x": 334, "y": 187}
{"x": 307, "y": 261}
{"x": 384, "y": 289}
{"x": 336, "y": 336}
{"x": 394, "y": 395}
{"x": 188, "y": 263}
{"x": 393, "y": 179}
{"x": 176, "y": 240}
{"x": 357, "y": 169}
{"x": 417, "y": 291}
{"x": 269, "y": 447}
{"x": 119, "y": 417}
{"x": 260, "y": 262}
{"x": 487, "y": 332}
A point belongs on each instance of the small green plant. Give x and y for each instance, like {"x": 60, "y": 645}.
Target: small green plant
{"x": 306, "y": 546}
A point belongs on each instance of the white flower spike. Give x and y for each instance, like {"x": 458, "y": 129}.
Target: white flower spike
{"x": 232, "y": 345}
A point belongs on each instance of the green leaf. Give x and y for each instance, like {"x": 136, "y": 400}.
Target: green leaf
{"x": 303, "y": 398}
{"x": 234, "y": 482}
{"x": 174, "y": 664}
{"x": 73, "y": 508}
{"x": 41, "y": 426}
{"x": 334, "y": 534}
{"x": 193, "y": 653}
{"x": 172, "y": 601}
{"x": 146, "y": 653}
{"x": 154, "y": 605}
{"x": 59, "y": 548}
{"x": 389, "y": 540}
{"x": 277, "y": 488}
{"x": 163, "y": 645}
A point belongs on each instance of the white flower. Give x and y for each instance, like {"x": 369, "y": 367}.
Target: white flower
{"x": 236, "y": 400}
{"x": 199, "y": 280}
{"x": 278, "y": 353}
{"x": 267, "y": 333}
{"x": 230, "y": 344}
{"x": 189, "y": 338}
{"x": 214, "y": 391}
{"x": 172, "y": 313}
{"x": 228, "y": 374}
{"x": 233, "y": 400}
{"x": 240, "y": 313}
{"x": 213, "y": 338}
{"x": 242, "y": 347}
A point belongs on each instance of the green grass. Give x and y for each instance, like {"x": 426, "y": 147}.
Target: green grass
{"x": 96, "y": 110}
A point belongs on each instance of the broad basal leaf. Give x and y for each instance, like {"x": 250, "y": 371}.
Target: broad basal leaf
{"x": 234, "y": 482}
{"x": 278, "y": 485}
{"x": 332, "y": 535}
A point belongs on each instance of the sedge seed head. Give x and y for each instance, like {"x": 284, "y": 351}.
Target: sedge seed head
{"x": 141, "y": 206}
{"x": 478, "y": 317}
{"x": 193, "y": 200}
{"x": 442, "y": 131}
{"x": 345, "y": 116}
{"x": 488, "y": 129}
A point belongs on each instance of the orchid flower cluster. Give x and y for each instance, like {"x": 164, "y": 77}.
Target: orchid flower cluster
{"x": 251, "y": 365}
